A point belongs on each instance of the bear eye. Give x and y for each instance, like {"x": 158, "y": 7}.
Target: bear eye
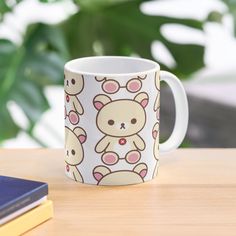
{"x": 73, "y": 81}
{"x": 111, "y": 122}
{"x": 73, "y": 152}
{"x": 133, "y": 121}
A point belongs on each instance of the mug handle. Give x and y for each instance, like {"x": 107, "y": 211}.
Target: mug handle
{"x": 181, "y": 111}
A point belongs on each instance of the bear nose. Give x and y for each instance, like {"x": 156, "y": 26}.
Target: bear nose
{"x": 122, "y": 126}
{"x": 67, "y": 82}
{"x": 67, "y": 153}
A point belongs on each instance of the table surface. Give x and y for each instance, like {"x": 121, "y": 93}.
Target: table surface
{"x": 193, "y": 194}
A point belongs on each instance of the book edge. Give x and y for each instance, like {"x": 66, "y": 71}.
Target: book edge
{"x": 29, "y": 220}
{"x": 34, "y": 195}
{"x": 21, "y": 211}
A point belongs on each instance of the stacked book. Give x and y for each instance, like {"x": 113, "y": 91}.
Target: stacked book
{"x": 23, "y": 205}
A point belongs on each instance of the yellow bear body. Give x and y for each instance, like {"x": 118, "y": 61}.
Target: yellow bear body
{"x": 120, "y": 121}
{"x": 74, "y": 152}
{"x": 73, "y": 84}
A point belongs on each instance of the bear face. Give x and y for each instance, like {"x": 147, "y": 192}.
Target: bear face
{"x": 74, "y": 150}
{"x": 105, "y": 176}
{"x": 123, "y": 117}
{"x": 73, "y": 83}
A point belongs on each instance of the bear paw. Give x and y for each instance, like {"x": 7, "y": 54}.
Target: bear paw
{"x": 73, "y": 117}
{"x": 134, "y": 85}
{"x": 110, "y": 86}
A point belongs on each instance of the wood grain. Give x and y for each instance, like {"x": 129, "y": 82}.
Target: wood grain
{"x": 194, "y": 194}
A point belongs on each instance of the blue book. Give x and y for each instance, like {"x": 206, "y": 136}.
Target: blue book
{"x": 16, "y": 194}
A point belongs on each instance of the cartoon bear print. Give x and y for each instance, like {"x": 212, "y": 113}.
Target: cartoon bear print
{"x": 156, "y": 107}
{"x": 155, "y": 135}
{"x": 121, "y": 120}
{"x": 74, "y": 151}
{"x": 73, "y": 84}
{"x": 111, "y": 86}
{"x": 105, "y": 176}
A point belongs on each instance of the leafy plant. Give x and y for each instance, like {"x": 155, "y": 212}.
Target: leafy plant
{"x": 5, "y": 6}
{"x": 232, "y": 10}
{"x": 106, "y": 27}
{"x": 122, "y": 29}
{"x": 24, "y": 73}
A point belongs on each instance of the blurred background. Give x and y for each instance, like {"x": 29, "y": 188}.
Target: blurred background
{"x": 195, "y": 39}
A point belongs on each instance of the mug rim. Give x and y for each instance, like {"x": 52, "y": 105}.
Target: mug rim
{"x": 69, "y": 66}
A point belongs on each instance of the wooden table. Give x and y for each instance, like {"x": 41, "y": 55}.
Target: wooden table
{"x": 194, "y": 194}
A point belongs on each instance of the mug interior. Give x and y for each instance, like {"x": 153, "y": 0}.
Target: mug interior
{"x": 111, "y": 65}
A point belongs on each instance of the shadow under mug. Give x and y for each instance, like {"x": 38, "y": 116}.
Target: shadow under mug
{"x": 112, "y": 106}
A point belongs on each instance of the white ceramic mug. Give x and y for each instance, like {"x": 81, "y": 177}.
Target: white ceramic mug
{"x": 112, "y": 119}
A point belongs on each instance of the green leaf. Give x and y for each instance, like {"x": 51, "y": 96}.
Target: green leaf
{"x": 31, "y": 100}
{"x": 7, "y": 6}
{"x": 91, "y": 5}
{"x": 8, "y": 128}
{"x": 122, "y": 29}
{"x": 4, "y": 7}
{"x": 232, "y": 10}
{"x": 25, "y": 70}
{"x": 49, "y": 1}
{"x": 189, "y": 58}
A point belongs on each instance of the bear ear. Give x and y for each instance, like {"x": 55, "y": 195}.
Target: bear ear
{"x": 100, "y": 101}
{"x": 100, "y": 171}
{"x": 100, "y": 78}
{"x": 142, "y": 99}
{"x": 142, "y": 77}
{"x": 155, "y": 130}
{"x": 81, "y": 134}
{"x": 141, "y": 169}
